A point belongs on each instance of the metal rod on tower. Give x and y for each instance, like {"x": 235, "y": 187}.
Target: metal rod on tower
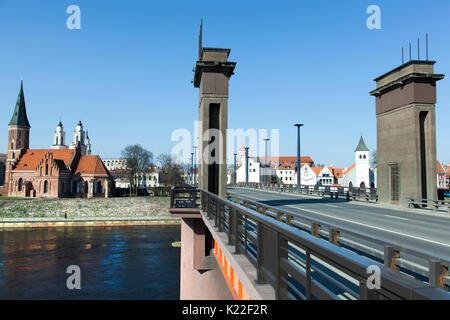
{"x": 427, "y": 45}
{"x": 403, "y": 57}
{"x": 410, "y": 57}
{"x": 418, "y": 49}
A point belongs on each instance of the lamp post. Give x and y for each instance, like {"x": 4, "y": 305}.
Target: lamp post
{"x": 192, "y": 167}
{"x": 246, "y": 164}
{"x": 265, "y": 171}
{"x": 195, "y": 165}
{"x": 235, "y": 173}
{"x": 299, "y": 165}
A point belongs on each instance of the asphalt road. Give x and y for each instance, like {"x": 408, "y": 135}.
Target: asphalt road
{"x": 427, "y": 233}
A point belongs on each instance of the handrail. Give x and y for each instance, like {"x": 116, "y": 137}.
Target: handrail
{"x": 367, "y": 194}
{"x": 315, "y": 226}
{"x": 423, "y": 203}
{"x": 300, "y": 265}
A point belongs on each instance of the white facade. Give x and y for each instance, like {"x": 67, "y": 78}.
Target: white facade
{"x": 254, "y": 171}
{"x": 308, "y": 176}
{"x": 325, "y": 177}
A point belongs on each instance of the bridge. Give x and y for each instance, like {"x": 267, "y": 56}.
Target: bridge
{"x": 256, "y": 242}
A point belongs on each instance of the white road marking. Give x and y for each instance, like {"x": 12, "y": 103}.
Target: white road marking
{"x": 365, "y": 225}
{"x": 386, "y": 215}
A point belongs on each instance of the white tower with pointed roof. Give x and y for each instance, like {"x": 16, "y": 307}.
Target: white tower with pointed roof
{"x": 362, "y": 165}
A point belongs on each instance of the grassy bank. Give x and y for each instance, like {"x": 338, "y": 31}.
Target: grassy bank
{"x": 97, "y": 207}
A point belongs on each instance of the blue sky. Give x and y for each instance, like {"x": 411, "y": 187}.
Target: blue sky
{"x": 126, "y": 74}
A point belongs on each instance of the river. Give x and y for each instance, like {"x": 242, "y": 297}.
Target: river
{"x": 115, "y": 263}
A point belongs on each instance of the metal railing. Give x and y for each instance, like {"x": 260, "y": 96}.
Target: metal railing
{"x": 393, "y": 256}
{"x": 364, "y": 194}
{"x": 299, "y": 265}
{"x": 184, "y": 197}
{"x": 435, "y": 205}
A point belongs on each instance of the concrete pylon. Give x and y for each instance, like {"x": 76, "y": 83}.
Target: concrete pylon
{"x": 212, "y": 75}
{"x": 406, "y": 132}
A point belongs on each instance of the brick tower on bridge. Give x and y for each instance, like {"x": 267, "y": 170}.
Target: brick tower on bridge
{"x": 405, "y": 110}
{"x": 212, "y": 74}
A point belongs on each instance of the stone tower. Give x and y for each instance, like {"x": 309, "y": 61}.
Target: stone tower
{"x": 18, "y": 138}
{"x": 362, "y": 166}
{"x": 59, "y": 138}
{"x": 212, "y": 74}
{"x": 405, "y": 110}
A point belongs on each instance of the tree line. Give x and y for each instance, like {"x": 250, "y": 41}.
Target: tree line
{"x": 140, "y": 161}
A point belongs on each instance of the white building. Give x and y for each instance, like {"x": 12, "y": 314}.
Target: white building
{"x": 118, "y": 167}
{"x": 308, "y": 176}
{"x": 254, "y": 171}
{"x": 359, "y": 174}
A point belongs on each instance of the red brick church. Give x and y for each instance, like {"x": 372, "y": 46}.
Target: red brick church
{"x": 49, "y": 173}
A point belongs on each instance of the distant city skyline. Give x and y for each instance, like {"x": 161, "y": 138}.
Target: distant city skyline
{"x": 126, "y": 74}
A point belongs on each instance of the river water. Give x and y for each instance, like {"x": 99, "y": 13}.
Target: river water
{"x": 115, "y": 263}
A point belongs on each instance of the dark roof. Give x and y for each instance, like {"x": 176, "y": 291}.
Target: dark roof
{"x": 19, "y": 117}
{"x": 361, "y": 146}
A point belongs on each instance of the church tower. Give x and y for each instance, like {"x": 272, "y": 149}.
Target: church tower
{"x": 362, "y": 166}
{"x": 79, "y": 136}
{"x": 59, "y": 138}
{"x": 19, "y": 136}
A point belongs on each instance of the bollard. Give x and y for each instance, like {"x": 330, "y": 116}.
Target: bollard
{"x": 334, "y": 235}
{"x": 391, "y": 255}
{"x": 289, "y": 219}
{"x": 437, "y": 273}
{"x": 280, "y": 216}
{"x": 315, "y": 228}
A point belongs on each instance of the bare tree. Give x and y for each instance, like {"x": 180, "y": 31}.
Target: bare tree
{"x": 138, "y": 160}
{"x": 374, "y": 160}
{"x": 171, "y": 172}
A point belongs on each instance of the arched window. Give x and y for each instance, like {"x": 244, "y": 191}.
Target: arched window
{"x": 360, "y": 156}
{"x": 364, "y": 156}
{"x": 46, "y": 169}
{"x": 362, "y": 185}
{"x": 86, "y": 187}
{"x": 46, "y": 187}
{"x": 19, "y": 187}
{"x": 99, "y": 186}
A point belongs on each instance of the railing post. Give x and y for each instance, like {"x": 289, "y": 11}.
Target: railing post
{"x": 216, "y": 213}
{"x": 231, "y": 225}
{"x": 259, "y": 254}
{"x": 238, "y": 231}
{"x": 221, "y": 216}
{"x": 281, "y": 276}
{"x": 390, "y": 257}
{"x": 280, "y": 215}
{"x": 437, "y": 273}
{"x": 308, "y": 274}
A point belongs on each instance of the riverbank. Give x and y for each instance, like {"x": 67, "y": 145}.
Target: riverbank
{"x": 81, "y": 208}
{"x": 42, "y": 213}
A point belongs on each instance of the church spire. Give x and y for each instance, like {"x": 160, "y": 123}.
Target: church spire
{"x": 19, "y": 117}
{"x": 361, "y": 145}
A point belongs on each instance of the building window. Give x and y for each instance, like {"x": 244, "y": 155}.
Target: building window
{"x": 99, "y": 187}
{"x": 46, "y": 169}
{"x": 86, "y": 187}
{"x": 395, "y": 186}
{"x": 46, "y": 187}
{"x": 20, "y": 185}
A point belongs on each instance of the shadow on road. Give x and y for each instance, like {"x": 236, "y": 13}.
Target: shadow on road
{"x": 286, "y": 202}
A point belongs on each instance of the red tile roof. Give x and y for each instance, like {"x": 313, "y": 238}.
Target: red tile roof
{"x": 91, "y": 165}
{"x": 440, "y": 168}
{"x": 349, "y": 169}
{"x": 30, "y": 160}
{"x": 338, "y": 173}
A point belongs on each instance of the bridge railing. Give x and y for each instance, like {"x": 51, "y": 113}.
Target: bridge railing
{"x": 184, "y": 197}
{"x": 393, "y": 256}
{"x": 364, "y": 194}
{"x": 435, "y": 205}
{"x": 299, "y": 265}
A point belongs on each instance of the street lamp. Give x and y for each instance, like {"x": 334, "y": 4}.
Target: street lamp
{"x": 246, "y": 164}
{"x": 195, "y": 165}
{"x": 192, "y": 167}
{"x": 299, "y": 165}
{"x": 265, "y": 175}
{"x": 235, "y": 174}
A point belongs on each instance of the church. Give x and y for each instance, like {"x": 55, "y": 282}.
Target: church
{"x": 60, "y": 172}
